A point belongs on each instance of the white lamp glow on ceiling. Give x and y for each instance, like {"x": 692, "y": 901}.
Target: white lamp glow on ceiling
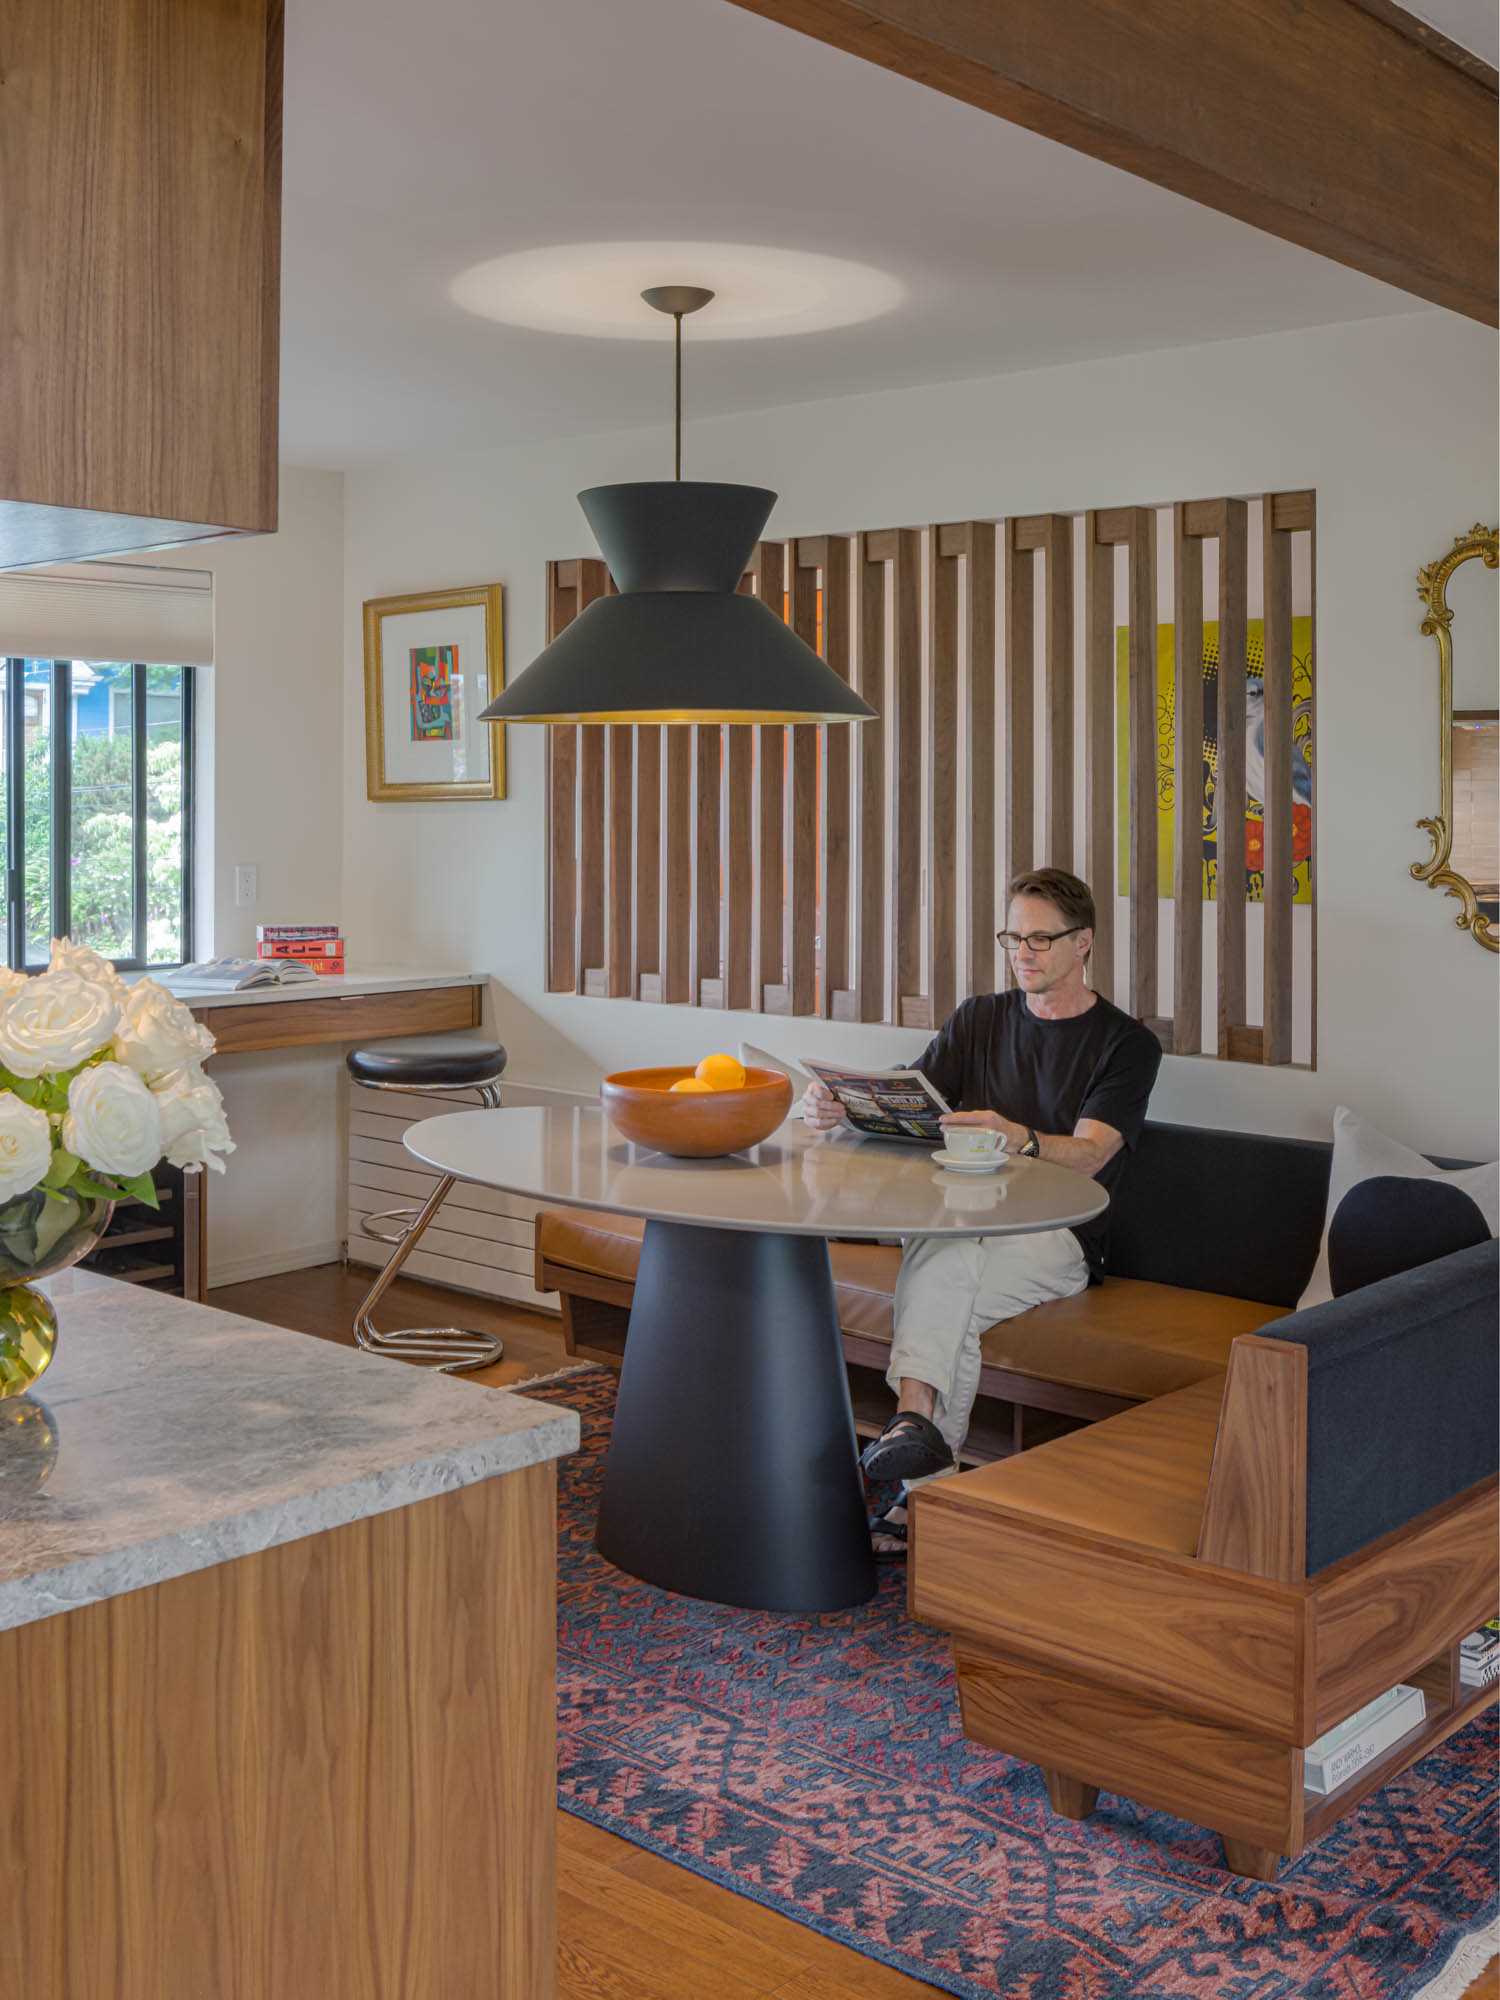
{"x": 593, "y": 289}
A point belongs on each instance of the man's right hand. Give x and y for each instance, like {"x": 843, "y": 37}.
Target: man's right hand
{"x": 821, "y": 1109}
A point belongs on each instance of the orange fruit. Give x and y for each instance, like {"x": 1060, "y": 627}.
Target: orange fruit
{"x": 685, "y": 1084}
{"x": 721, "y": 1072}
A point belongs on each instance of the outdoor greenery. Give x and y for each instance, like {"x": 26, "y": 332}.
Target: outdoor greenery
{"x": 101, "y": 855}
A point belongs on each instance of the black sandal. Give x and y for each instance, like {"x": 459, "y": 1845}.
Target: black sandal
{"x": 888, "y": 1531}
{"x": 910, "y": 1447}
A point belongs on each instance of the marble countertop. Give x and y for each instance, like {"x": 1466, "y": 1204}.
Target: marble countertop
{"x": 167, "y": 1437}
{"x": 797, "y": 1182}
{"x": 357, "y": 980}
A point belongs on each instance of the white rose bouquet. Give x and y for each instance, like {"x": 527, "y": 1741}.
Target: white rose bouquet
{"x": 98, "y": 1082}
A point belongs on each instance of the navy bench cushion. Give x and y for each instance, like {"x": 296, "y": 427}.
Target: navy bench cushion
{"x": 1239, "y": 1213}
{"x": 1403, "y": 1398}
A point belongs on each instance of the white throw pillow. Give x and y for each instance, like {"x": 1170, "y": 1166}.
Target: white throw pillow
{"x": 1360, "y": 1153}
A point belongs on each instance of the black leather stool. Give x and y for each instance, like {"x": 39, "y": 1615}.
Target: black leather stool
{"x": 429, "y": 1064}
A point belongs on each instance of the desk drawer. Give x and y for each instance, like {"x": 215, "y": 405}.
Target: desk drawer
{"x": 335, "y": 1017}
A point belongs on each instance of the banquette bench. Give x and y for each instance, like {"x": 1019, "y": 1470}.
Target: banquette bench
{"x": 1173, "y": 1602}
{"x": 1214, "y": 1234}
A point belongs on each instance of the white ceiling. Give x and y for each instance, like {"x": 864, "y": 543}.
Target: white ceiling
{"x": 422, "y": 139}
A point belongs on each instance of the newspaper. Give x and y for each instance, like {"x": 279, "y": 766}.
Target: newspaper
{"x": 887, "y": 1103}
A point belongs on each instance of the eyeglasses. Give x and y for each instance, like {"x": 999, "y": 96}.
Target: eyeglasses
{"x": 1039, "y": 942}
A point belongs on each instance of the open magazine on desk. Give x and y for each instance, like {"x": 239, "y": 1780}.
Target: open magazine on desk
{"x": 886, "y": 1103}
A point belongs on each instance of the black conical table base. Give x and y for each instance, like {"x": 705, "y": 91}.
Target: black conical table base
{"x": 733, "y": 1471}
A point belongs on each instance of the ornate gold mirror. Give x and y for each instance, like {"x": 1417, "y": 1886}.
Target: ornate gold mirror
{"x": 1465, "y": 831}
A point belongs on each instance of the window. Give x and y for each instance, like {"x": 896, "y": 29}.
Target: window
{"x": 96, "y": 788}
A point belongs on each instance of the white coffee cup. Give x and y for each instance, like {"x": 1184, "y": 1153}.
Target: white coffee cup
{"x": 972, "y": 1142}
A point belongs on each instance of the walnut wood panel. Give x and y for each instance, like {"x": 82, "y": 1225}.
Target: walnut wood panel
{"x": 904, "y": 693}
{"x": 284, "y": 1774}
{"x": 1382, "y": 1612}
{"x": 1057, "y": 641}
{"x": 708, "y": 871}
{"x": 771, "y": 759}
{"x": 870, "y": 644}
{"x": 1187, "y": 887}
{"x": 1240, "y": 1783}
{"x": 1389, "y": 135}
{"x": 619, "y": 968}
{"x": 1276, "y": 708}
{"x": 837, "y": 972}
{"x": 593, "y": 580}
{"x": 1099, "y": 748}
{"x": 1255, "y": 1515}
{"x": 1018, "y": 730}
{"x": 739, "y": 866}
{"x": 124, "y": 399}
{"x": 942, "y": 777}
{"x": 805, "y": 803}
{"x": 299, "y": 1024}
{"x": 647, "y": 947}
{"x": 980, "y": 646}
{"x": 677, "y": 841}
{"x": 1215, "y": 1645}
{"x": 1229, "y": 790}
{"x": 1143, "y": 820}
{"x": 562, "y": 804}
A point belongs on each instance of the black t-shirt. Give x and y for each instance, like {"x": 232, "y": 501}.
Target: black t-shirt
{"x": 994, "y": 1054}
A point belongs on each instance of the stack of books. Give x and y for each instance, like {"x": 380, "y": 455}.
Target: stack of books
{"x": 1479, "y": 1656}
{"x": 1362, "y": 1737}
{"x": 317, "y": 946}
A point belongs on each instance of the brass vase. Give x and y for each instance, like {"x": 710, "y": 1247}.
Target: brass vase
{"x": 39, "y": 1234}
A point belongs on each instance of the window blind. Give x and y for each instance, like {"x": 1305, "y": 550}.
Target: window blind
{"x": 109, "y": 611}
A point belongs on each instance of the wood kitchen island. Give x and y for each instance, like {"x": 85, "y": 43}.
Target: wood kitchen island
{"x": 277, "y": 1640}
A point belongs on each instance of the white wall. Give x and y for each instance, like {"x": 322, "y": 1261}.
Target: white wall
{"x": 1392, "y": 421}
{"x": 271, "y": 791}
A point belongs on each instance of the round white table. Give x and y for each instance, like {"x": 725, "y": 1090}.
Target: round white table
{"x": 733, "y": 1468}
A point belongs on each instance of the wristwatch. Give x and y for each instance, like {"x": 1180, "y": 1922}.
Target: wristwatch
{"x": 1033, "y": 1146}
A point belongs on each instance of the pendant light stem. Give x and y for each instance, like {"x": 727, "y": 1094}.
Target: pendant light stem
{"x": 677, "y": 380}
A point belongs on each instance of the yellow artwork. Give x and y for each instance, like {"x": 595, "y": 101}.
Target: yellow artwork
{"x": 1206, "y": 769}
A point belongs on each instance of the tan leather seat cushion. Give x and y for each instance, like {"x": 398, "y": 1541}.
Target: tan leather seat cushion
{"x": 1126, "y": 1337}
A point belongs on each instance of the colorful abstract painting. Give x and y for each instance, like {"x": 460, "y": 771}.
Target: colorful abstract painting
{"x": 434, "y": 671}
{"x": 1205, "y": 771}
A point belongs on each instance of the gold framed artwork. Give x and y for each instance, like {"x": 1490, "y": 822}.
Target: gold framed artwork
{"x": 433, "y": 661}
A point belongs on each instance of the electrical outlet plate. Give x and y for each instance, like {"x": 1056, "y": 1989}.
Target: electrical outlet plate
{"x": 246, "y": 885}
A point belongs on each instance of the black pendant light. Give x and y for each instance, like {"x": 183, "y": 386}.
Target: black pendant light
{"x": 677, "y": 641}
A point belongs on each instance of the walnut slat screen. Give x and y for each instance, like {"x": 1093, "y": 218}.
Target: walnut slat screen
{"x": 1127, "y": 692}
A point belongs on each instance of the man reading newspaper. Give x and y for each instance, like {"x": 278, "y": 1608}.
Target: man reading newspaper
{"x": 1061, "y": 1075}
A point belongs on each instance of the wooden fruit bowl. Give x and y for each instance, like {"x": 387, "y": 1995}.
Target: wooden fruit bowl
{"x": 694, "y": 1125}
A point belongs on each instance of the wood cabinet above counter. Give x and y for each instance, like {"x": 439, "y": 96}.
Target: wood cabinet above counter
{"x": 140, "y": 293}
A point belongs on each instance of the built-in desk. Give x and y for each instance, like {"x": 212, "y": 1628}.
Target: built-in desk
{"x": 362, "y": 1005}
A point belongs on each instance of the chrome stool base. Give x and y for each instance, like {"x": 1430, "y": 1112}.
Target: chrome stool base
{"x": 448, "y": 1350}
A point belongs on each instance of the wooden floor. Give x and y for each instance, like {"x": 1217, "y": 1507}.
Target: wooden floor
{"x": 632, "y": 1926}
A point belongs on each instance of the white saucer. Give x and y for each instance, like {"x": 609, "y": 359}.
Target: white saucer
{"x": 956, "y": 1163}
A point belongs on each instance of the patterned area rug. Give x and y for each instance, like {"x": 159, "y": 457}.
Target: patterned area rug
{"x": 816, "y": 1765}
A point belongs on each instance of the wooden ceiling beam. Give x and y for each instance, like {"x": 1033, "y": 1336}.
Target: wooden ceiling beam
{"x": 1336, "y": 124}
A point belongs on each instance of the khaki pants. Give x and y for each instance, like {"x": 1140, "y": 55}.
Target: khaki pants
{"x": 951, "y": 1288}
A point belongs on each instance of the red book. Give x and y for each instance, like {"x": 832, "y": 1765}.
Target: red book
{"x": 330, "y": 947}
{"x": 329, "y": 967}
